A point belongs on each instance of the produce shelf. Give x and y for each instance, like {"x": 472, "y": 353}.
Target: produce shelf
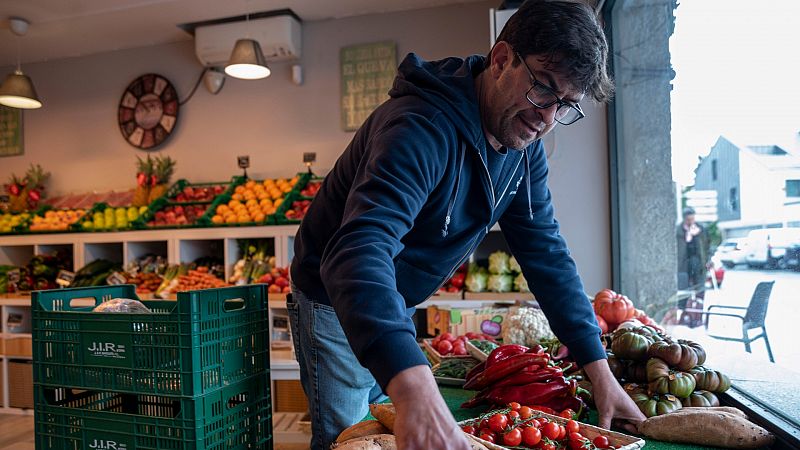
{"x": 499, "y": 296}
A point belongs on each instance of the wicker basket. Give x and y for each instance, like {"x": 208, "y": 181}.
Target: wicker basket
{"x": 624, "y": 441}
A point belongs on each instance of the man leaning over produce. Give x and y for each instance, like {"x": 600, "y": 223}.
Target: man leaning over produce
{"x": 455, "y": 149}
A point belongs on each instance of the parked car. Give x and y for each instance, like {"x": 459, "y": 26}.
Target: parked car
{"x": 767, "y": 247}
{"x": 792, "y": 257}
{"x": 732, "y": 252}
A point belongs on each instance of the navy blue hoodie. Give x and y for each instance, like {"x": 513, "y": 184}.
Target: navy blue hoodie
{"x": 410, "y": 199}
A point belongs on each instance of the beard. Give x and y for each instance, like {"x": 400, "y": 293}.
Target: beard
{"x": 513, "y": 132}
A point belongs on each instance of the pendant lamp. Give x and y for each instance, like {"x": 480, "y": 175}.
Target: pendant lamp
{"x": 17, "y": 90}
{"x": 247, "y": 61}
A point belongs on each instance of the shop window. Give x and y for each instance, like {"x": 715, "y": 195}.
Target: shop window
{"x": 713, "y": 170}
{"x": 733, "y": 199}
{"x": 793, "y": 188}
{"x": 676, "y": 69}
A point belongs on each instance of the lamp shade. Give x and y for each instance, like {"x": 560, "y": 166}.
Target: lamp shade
{"x": 247, "y": 62}
{"x": 17, "y": 91}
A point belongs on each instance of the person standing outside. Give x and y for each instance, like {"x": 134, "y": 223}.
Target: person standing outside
{"x": 456, "y": 149}
{"x": 693, "y": 257}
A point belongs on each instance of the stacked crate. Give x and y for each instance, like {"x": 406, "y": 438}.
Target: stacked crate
{"x": 193, "y": 374}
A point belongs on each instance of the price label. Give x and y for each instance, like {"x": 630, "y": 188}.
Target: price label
{"x": 309, "y": 157}
{"x": 5, "y": 198}
{"x": 116, "y": 278}
{"x": 243, "y": 161}
{"x": 65, "y": 278}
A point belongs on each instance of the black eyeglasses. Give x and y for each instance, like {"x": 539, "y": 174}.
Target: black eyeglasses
{"x": 542, "y": 96}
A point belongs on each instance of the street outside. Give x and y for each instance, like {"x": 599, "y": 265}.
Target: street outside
{"x": 753, "y": 373}
{"x": 783, "y": 315}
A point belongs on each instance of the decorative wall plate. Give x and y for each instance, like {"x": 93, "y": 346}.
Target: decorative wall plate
{"x": 148, "y": 111}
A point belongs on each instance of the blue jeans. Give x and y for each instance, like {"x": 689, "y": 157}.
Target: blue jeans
{"x": 338, "y": 387}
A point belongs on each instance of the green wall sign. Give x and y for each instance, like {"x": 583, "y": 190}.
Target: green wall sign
{"x": 368, "y": 71}
{"x": 10, "y": 131}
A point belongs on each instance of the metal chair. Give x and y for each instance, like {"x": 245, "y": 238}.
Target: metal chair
{"x": 754, "y": 316}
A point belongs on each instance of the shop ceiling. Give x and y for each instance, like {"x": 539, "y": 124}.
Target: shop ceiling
{"x": 65, "y": 29}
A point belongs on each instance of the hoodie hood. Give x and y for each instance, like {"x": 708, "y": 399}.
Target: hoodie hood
{"x": 448, "y": 84}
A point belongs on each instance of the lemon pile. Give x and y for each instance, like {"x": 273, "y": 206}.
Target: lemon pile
{"x": 8, "y": 221}
{"x": 254, "y": 201}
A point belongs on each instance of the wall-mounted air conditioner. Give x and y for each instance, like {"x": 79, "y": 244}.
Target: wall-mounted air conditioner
{"x": 279, "y": 37}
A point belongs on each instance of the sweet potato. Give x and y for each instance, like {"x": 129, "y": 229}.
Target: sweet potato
{"x": 385, "y": 413}
{"x": 703, "y": 427}
{"x": 372, "y": 442}
{"x": 361, "y": 429}
{"x": 727, "y": 409}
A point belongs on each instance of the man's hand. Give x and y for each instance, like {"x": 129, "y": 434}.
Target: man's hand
{"x": 423, "y": 420}
{"x": 611, "y": 400}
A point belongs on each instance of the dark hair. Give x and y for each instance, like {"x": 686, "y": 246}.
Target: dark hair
{"x": 569, "y": 36}
{"x": 688, "y": 211}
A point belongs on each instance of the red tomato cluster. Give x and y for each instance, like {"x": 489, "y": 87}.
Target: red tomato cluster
{"x": 447, "y": 343}
{"x": 521, "y": 426}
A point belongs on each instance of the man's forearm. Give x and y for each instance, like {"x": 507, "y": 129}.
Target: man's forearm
{"x": 599, "y": 372}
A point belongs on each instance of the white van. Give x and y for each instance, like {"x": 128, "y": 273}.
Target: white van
{"x": 731, "y": 252}
{"x": 766, "y": 247}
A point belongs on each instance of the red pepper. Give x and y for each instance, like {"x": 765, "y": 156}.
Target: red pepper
{"x": 475, "y": 370}
{"x": 505, "y": 368}
{"x": 14, "y": 189}
{"x": 536, "y": 349}
{"x": 141, "y": 178}
{"x": 534, "y": 376}
{"x": 504, "y": 352}
{"x": 567, "y": 402}
{"x": 34, "y": 195}
{"x": 529, "y": 394}
{"x": 544, "y": 409}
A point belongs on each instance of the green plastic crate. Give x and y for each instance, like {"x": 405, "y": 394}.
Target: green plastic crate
{"x": 205, "y": 340}
{"x": 235, "y": 417}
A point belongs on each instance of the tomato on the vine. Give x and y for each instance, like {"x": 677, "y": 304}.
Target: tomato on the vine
{"x": 525, "y": 412}
{"x": 513, "y": 437}
{"x": 600, "y": 441}
{"x": 567, "y": 414}
{"x": 514, "y": 406}
{"x": 513, "y": 416}
{"x": 574, "y": 436}
{"x": 531, "y": 436}
{"x": 551, "y": 430}
{"x": 469, "y": 429}
{"x": 562, "y": 432}
{"x": 487, "y": 437}
{"x": 547, "y": 445}
{"x": 498, "y": 422}
{"x": 579, "y": 444}
{"x": 573, "y": 426}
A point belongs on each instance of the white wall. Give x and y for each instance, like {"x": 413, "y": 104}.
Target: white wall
{"x": 762, "y": 195}
{"x": 76, "y": 137}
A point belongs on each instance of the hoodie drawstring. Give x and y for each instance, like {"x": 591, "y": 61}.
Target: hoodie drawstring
{"x": 455, "y": 192}
{"x": 528, "y": 183}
